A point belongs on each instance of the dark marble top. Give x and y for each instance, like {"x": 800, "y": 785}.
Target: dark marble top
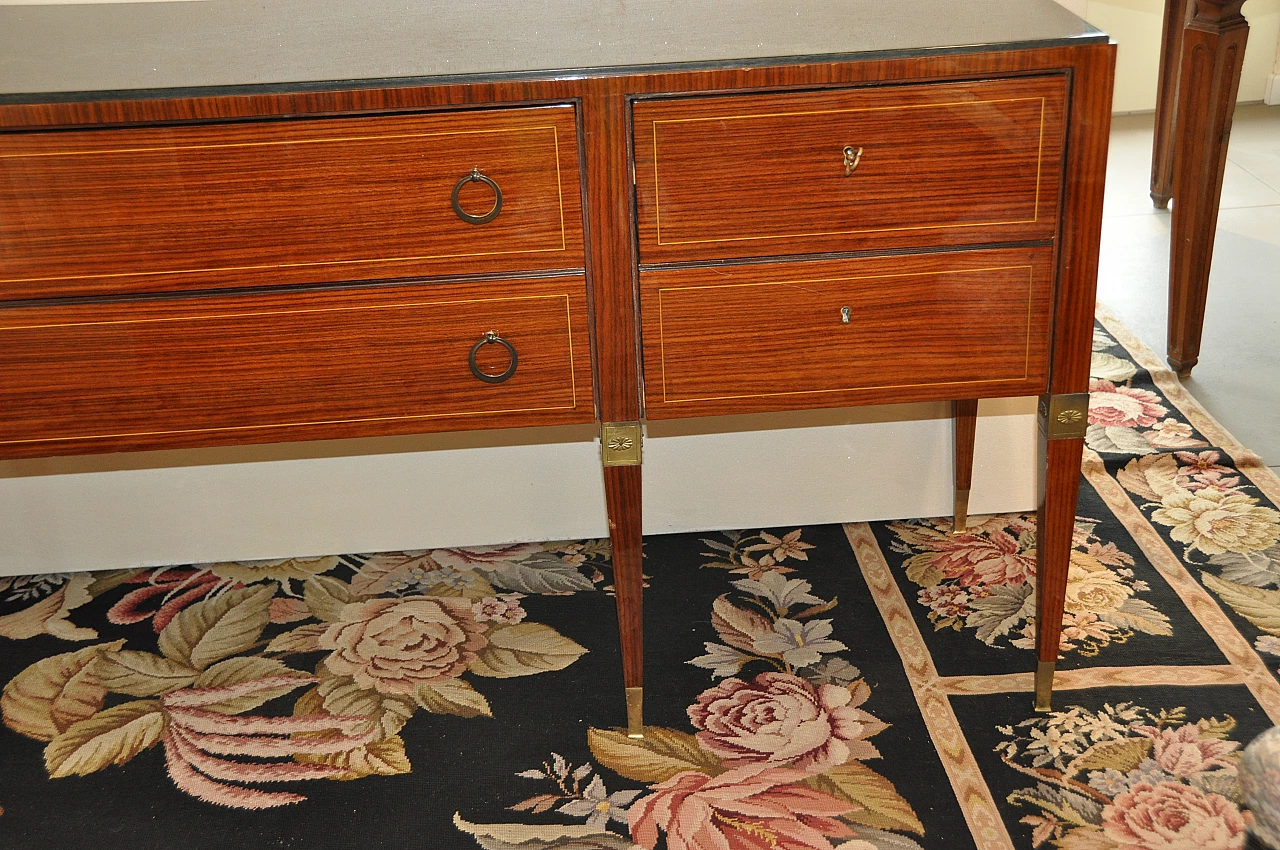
{"x": 86, "y": 48}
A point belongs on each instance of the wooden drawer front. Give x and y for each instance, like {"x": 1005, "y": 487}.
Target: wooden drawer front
{"x": 942, "y": 164}
{"x": 286, "y": 201}
{"x": 771, "y": 337}
{"x": 287, "y": 366}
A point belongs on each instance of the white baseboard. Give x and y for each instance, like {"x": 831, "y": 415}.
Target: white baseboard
{"x": 443, "y": 490}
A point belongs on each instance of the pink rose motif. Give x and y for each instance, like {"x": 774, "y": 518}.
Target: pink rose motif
{"x": 485, "y": 556}
{"x": 504, "y": 608}
{"x": 394, "y": 645}
{"x": 990, "y": 560}
{"x": 1173, "y": 816}
{"x": 748, "y": 808}
{"x": 781, "y": 719}
{"x": 946, "y": 600}
{"x": 1184, "y": 753}
{"x": 1126, "y": 407}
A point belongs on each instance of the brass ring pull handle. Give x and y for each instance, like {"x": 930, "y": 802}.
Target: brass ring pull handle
{"x": 852, "y": 156}
{"x": 476, "y": 177}
{"x": 492, "y": 337}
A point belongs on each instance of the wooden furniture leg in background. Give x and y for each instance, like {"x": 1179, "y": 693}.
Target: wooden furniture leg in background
{"x": 1209, "y": 78}
{"x": 965, "y": 415}
{"x": 1175, "y": 21}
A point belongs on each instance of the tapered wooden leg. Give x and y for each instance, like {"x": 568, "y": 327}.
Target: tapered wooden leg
{"x": 1209, "y": 78}
{"x": 1055, "y": 523}
{"x": 1175, "y": 20}
{"x": 965, "y": 415}
{"x": 622, "y": 500}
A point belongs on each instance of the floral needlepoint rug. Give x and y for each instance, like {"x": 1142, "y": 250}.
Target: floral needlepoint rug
{"x": 861, "y": 687}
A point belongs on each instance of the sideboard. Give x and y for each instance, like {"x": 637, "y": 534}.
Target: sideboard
{"x": 372, "y": 219}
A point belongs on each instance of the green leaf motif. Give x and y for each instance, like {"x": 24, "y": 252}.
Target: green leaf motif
{"x": 1151, "y": 477}
{"x": 1123, "y": 755}
{"x": 386, "y": 715}
{"x": 523, "y": 650}
{"x": 109, "y": 737}
{"x": 216, "y": 628}
{"x": 658, "y": 756}
{"x": 1111, "y": 368}
{"x": 997, "y": 613}
{"x": 453, "y": 696}
{"x": 1117, "y": 439}
{"x": 234, "y": 671}
{"x": 326, "y": 596}
{"x": 380, "y": 758}
{"x": 1139, "y": 615}
{"x": 1256, "y": 569}
{"x": 879, "y": 803}
{"x": 1087, "y": 838}
{"x": 53, "y": 694}
{"x": 302, "y": 639}
{"x": 142, "y": 674}
{"x": 1212, "y": 727}
{"x": 514, "y": 836}
{"x": 1257, "y": 605}
{"x": 539, "y": 573}
{"x": 923, "y": 569}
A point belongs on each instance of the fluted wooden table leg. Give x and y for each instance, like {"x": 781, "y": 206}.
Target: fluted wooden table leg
{"x": 1209, "y": 78}
{"x": 965, "y": 415}
{"x": 1175, "y": 20}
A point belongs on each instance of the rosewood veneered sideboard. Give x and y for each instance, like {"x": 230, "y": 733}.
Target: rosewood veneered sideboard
{"x": 550, "y": 213}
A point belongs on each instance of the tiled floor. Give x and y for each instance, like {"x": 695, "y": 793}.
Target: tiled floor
{"x": 1238, "y": 376}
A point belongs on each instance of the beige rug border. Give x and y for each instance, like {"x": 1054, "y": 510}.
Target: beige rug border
{"x": 967, "y": 782}
{"x": 1167, "y": 381}
{"x": 1202, "y": 605}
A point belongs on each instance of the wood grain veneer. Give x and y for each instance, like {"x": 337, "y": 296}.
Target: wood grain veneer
{"x": 286, "y": 201}
{"x": 369, "y": 360}
{"x": 1076, "y": 279}
{"x": 938, "y": 164}
{"x": 272, "y": 367}
{"x": 1212, "y": 57}
{"x": 735, "y": 339}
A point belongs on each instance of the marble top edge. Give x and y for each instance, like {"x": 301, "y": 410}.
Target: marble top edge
{"x": 144, "y": 47}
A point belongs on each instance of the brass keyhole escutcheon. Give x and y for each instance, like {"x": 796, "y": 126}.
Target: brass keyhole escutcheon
{"x": 852, "y": 156}
{"x": 844, "y": 315}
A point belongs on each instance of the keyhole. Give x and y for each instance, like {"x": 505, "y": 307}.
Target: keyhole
{"x": 844, "y": 315}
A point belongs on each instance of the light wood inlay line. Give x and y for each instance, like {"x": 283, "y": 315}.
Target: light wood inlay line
{"x": 750, "y": 115}
{"x": 316, "y": 263}
{"x": 405, "y": 417}
{"x": 555, "y": 139}
{"x": 1026, "y": 363}
{"x": 255, "y": 314}
{"x": 387, "y": 137}
{"x": 1039, "y": 160}
{"x": 657, "y": 197}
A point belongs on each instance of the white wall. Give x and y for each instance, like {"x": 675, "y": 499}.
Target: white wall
{"x": 1272, "y": 94}
{"x": 497, "y": 486}
{"x": 1135, "y": 25}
